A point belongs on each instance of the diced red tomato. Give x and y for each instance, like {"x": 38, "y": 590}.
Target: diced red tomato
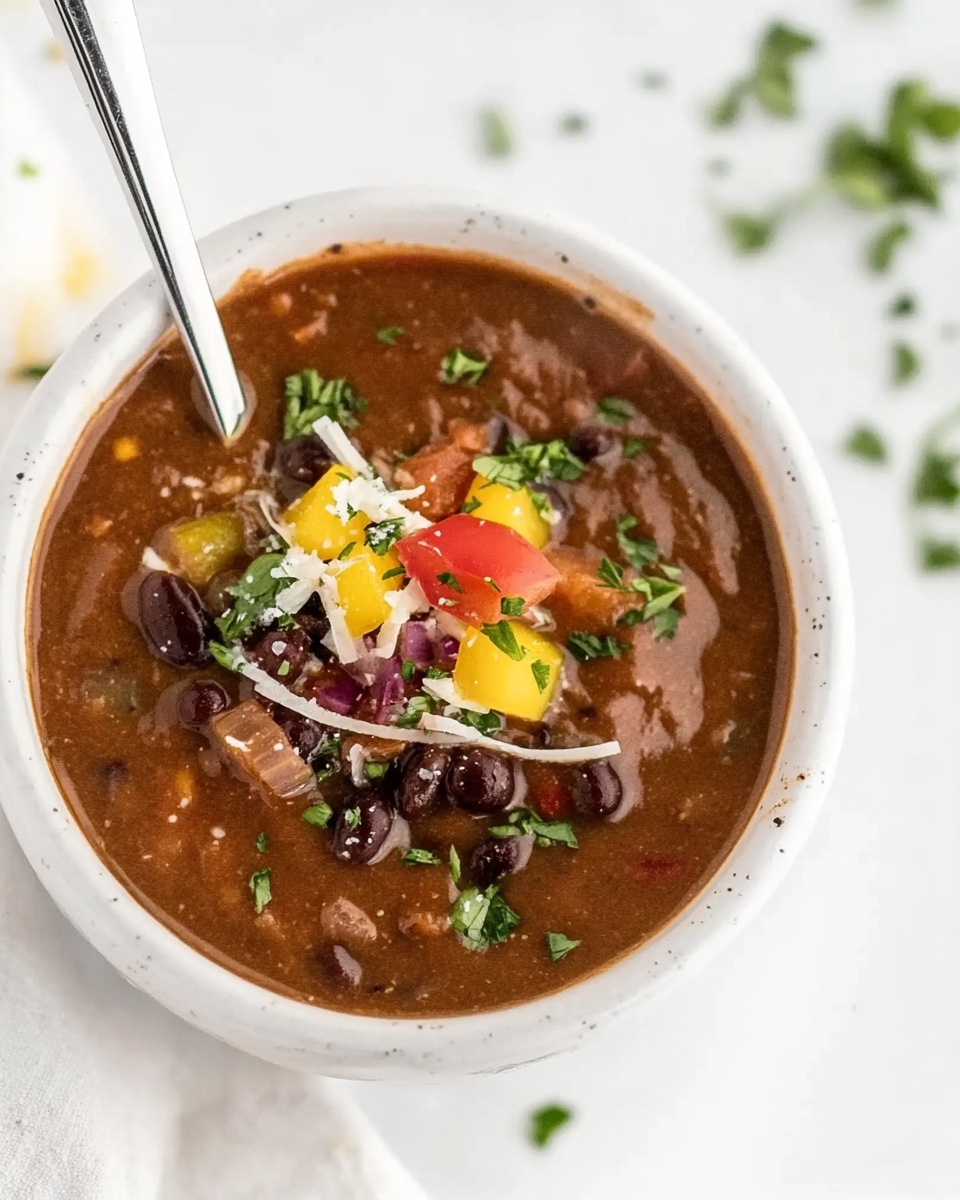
{"x": 467, "y": 566}
{"x": 551, "y": 799}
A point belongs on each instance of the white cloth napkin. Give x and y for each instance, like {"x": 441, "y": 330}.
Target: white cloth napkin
{"x": 103, "y": 1094}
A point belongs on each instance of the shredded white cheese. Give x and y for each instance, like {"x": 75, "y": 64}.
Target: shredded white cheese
{"x": 437, "y": 730}
{"x": 358, "y": 760}
{"x": 403, "y": 604}
{"x": 340, "y": 446}
{"x": 450, "y": 625}
{"x": 307, "y": 572}
{"x": 152, "y": 560}
{"x": 372, "y": 498}
{"x": 445, "y": 690}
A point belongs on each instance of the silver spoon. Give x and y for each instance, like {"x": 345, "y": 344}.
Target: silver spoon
{"x": 102, "y": 41}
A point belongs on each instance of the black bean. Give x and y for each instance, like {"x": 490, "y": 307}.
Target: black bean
{"x": 303, "y": 734}
{"x": 313, "y": 621}
{"x": 596, "y": 789}
{"x": 173, "y": 620}
{"x": 588, "y": 442}
{"x": 339, "y": 966}
{"x": 422, "y": 781}
{"x": 282, "y": 653}
{"x": 199, "y": 701}
{"x": 479, "y": 782}
{"x": 300, "y": 463}
{"x": 493, "y": 859}
{"x": 361, "y": 828}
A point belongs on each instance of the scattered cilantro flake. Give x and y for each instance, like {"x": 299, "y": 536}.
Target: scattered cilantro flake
{"x": 486, "y": 723}
{"x": 33, "y": 370}
{"x": 559, "y": 945}
{"x": 633, "y": 616}
{"x": 283, "y": 669}
{"x": 454, "y": 865}
{"x": 906, "y": 364}
{"x": 416, "y": 707}
{"x": 229, "y": 657}
{"x": 390, "y": 335}
{"x": 866, "y": 443}
{"x": 27, "y": 169}
{"x": 491, "y": 582}
{"x": 584, "y": 646}
{"x": 530, "y": 462}
{"x": 483, "y": 918}
{"x": 448, "y": 579}
{"x": 750, "y": 234}
{"x": 393, "y": 573}
{"x": 664, "y": 623}
{"x": 937, "y": 555}
{"x": 317, "y": 815}
{"x": 421, "y": 858}
{"x": 262, "y": 843}
{"x": 407, "y": 670}
{"x": 470, "y": 505}
{"x": 375, "y": 770}
{"x": 616, "y": 411}
{"x": 346, "y": 551}
{"x": 255, "y": 592}
{"x": 309, "y": 397}
{"x": 512, "y": 606}
{"x": 541, "y": 674}
{"x": 548, "y": 833}
{"x": 260, "y": 889}
{"x": 437, "y": 673}
{"x": 574, "y": 123}
{"x": 351, "y": 817}
{"x": 546, "y": 1122}
{"x": 938, "y": 479}
{"x": 462, "y": 365}
{"x": 496, "y": 136}
{"x": 505, "y": 639}
{"x": 610, "y": 574}
{"x": 381, "y": 537}
{"x": 639, "y": 552}
{"x": 881, "y": 248}
{"x": 904, "y": 305}
{"x": 632, "y": 446}
{"x": 771, "y": 81}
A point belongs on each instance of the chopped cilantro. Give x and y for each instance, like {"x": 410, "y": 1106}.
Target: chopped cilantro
{"x": 437, "y": 673}
{"x": 486, "y": 723}
{"x": 584, "y": 646}
{"x": 530, "y": 462}
{"x": 260, "y": 889}
{"x": 505, "y": 639}
{"x": 496, "y": 136}
{"x": 616, "y": 411}
{"x": 633, "y": 616}
{"x": 559, "y": 945}
{"x": 937, "y": 555}
{"x": 904, "y": 305}
{"x": 462, "y": 365}
{"x": 261, "y": 843}
{"x": 229, "y": 657}
{"x": 454, "y": 865}
{"x": 881, "y": 248}
{"x": 541, "y": 674}
{"x": 470, "y": 506}
{"x": 255, "y": 594}
{"x": 664, "y": 622}
{"x": 381, "y": 537}
{"x": 491, "y": 582}
{"x": 283, "y": 669}
{"x": 483, "y": 918}
{"x": 421, "y": 858}
{"x": 906, "y": 364}
{"x": 346, "y": 551}
{"x": 750, "y": 234}
{"x": 547, "y": 833}
{"x": 938, "y": 479}
{"x": 309, "y": 397}
{"x": 407, "y": 670}
{"x": 317, "y": 815}
{"x": 390, "y": 335}
{"x": 771, "y": 81}
{"x": 416, "y": 707}
{"x": 546, "y": 1122}
{"x": 33, "y": 370}
{"x": 864, "y": 442}
{"x": 375, "y": 770}
{"x": 610, "y": 574}
{"x": 27, "y": 169}
{"x": 512, "y": 606}
{"x": 639, "y": 552}
{"x": 632, "y": 446}
{"x": 574, "y": 123}
{"x": 351, "y": 817}
{"x": 448, "y": 579}
{"x": 393, "y": 573}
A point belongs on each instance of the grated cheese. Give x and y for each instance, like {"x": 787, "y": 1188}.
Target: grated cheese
{"x": 403, "y": 605}
{"x": 372, "y": 498}
{"x": 340, "y": 446}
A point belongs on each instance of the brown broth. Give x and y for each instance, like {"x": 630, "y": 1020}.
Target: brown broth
{"x": 699, "y": 717}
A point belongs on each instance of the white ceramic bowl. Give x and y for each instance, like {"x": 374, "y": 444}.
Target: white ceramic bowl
{"x": 299, "y": 1035}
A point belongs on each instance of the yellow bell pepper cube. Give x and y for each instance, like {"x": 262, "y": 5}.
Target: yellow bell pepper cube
{"x": 198, "y": 549}
{"x": 362, "y": 589}
{"x": 315, "y": 528}
{"x": 507, "y": 506}
{"x": 486, "y": 675}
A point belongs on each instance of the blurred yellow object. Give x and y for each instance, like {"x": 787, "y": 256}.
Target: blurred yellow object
{"x": 362, "y": 589}
{"x": 125, "y": 449}
{"x": 485, "y": 675}
{"x": 198, "y": 549}
{"x": 506, "y": 506}
{"x": 315, "y": 528}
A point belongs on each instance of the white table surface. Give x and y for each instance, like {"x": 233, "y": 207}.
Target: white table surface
{"x": 819, "y": 1056}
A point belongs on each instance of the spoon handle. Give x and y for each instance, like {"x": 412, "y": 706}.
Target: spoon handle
{"x": 102, "y": 41}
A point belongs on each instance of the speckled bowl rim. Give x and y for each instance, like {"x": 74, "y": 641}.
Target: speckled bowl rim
{"x": 302, "y": 1036}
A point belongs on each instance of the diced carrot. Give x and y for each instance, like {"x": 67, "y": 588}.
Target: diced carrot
{"x": 579, "y": 597}
{"x": 444, "y": 469}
